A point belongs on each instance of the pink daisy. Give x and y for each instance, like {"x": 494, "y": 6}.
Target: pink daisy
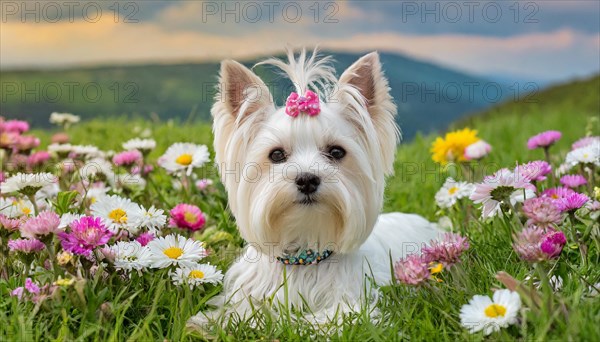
{"x": 38, "y": 158}
{"x": 27, "y": 142}
{"x": 26, "y": 245}
{"x": 557, "y": 193}
{"x": 45, "y": 223}
{"x": 528, "y": 244}
{"x": 477, "y": 150}
{"x": 502, "y": 187}
{"x": 412, "y": 270}
{"x": 203, "y": 184}
{"x": 544, "y": 139}
{"x": 15, "y": 126}
{"x": 127, "y": 158}
{"x": 583, "y": 142}
{"x": 147, "y": 169}
{"x": 573, "y": 181}
{"x": 144, "y": 238}
{"x": 542, "y": 212}
{"x": 187, "y": 216}
{"x": 552, "y": 244}
{"x": 10, "y": 224}
{"x": 572, "y": 202}
{"x": 86, "y": 234}
{"x": 534, "y": 171}
{"x": 448, "y": 250}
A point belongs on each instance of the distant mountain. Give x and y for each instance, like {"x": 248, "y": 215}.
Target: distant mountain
{"x": 429, "y": 96}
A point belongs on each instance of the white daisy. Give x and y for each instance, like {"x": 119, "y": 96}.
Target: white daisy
{"x": 87, "y": 151}
{"x": 27, "y": 183}
{"x": 130, "y": 181}
{"x": 196, "y": 274}
{"x": 175, "y": 250}
{"x": 589, "y": 154}
{"x": 47, "y": 192}
{"x": 13, "y": 208}
{"x": 63, "y": 118}
{"x": 95, "y": 193}
{"x": 483, "y": 313}
{"x": 130, "y": 255}
{"x": 118, "y": 213}
{"x": 452, "y": 191}
{"x": 152, "y": 219}
{"x": 184, "y": 156}
{"x": 143, "y": 145}
{"x": 60, "y": 149}
{"x": 96, "y": 167}
{"x": 68, "y": 218}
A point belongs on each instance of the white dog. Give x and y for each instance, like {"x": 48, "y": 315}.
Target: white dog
{"x": 305, "y": 183}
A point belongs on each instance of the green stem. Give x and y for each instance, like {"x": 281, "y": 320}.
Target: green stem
{"x": 31, "y": 198}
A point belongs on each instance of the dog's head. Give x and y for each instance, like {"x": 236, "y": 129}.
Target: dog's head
{"x": 306, "y": 181}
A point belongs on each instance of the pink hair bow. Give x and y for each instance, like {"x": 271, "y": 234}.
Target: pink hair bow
{"x": 308, "y": 104}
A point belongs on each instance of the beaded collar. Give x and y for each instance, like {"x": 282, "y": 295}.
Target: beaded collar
{"x": 305, "y": 257}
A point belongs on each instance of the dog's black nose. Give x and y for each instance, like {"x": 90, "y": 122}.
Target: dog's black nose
{"x": 307, "y": 183}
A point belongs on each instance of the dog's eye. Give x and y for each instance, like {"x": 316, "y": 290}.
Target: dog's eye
{"x": 277, "y": 156}
{"x": 336, "y": 152}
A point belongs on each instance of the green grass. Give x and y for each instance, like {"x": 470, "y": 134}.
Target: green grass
{"x": 151, "y": 308}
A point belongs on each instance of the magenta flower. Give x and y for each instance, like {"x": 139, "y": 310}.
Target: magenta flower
{"x": 528, "y": 244}
{"x": 544, "y": 139}
{"x": 2, "y": 177}
{"x": 127, "y": 158}
{"x": 26, "y": 245}
{"x": 534, "y": 171}
{"x": 10, "y": 224}
{"x": 187, "y": 216}
{"x": 31, "y": 287}
{"x": 448, "y": 250}
{"x": 144, "y": 238}
{"x": 45, "y": 223}
{"x": 583, "y": 142}
{"x": 38, "y": 158}
{"x": 542, "y": 212}
{"x": 412, "y": 270}
{"x": 86, "y": 234}
{"x": 553, "y": 243}
{"x": 573, "y": 181}
{"x": 572, "y": 202}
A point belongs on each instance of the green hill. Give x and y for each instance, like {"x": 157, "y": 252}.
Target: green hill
{"x": 152, "y": 308}
{"x": 429, "y": 97}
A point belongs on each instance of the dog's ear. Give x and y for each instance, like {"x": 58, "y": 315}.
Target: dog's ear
{"x": 242, "y": 99}
{"x": 366, "y": 76}
{"x": 241, "y": 91}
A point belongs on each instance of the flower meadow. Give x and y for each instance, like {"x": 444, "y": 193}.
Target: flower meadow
{"x": 130, "y": 243}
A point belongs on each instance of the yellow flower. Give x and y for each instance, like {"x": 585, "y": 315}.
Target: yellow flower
{"x": 64, "y": 258}
{"x": 64, "y": 282}
{"x": 597, "y": 192}
{"x": 451, "y": 148}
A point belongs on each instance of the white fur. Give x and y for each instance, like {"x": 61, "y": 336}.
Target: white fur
{"x": 359, "y": 116}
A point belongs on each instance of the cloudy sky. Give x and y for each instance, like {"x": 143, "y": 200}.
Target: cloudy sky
{"x": 540, "y": 40}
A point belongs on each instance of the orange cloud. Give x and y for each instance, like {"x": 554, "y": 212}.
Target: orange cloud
{"x": 555, "y": 54}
